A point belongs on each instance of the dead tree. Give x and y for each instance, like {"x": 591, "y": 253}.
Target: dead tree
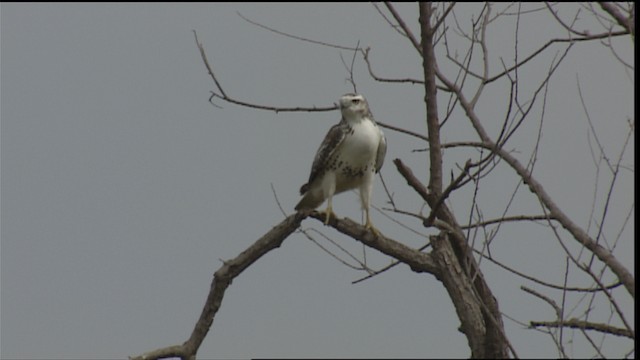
{"x": 457, "y": 247}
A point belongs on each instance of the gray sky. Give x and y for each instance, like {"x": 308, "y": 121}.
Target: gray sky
{"x": 122, "y": 187}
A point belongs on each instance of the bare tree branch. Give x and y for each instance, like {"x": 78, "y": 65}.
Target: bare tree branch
{"x": 555, "y": 212}
{"x": 222, "y": 278}
{"x": 403, "y": 131}
{"x": 626, "y": 22}
{"x": 444, "y": 15}
{"x": 387, "y": 80}
{"x": 454, "y": 184}
{"x": 393, "y": 26}
{"x": 506, "y": 219}
{"x": 550, "y": 285}
{"x": 296, "y": 37}
{"x": 569, "y": 27}
{"x": 222, "y": 95}
{"x": 404, "y": 27}
{"x": 388, "y": 267}
{"x": 412, "y": 180}
{"x": 433, "y": 125}
{"x": 579, "y": 324}
{"x": 612, "y": 301}
{"x": 417, "y": 261}
{"x": 545, "y": 46}
{"x": 362, "y": 265}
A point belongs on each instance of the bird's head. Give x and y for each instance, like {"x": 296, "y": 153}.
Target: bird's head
{"x": 353, "y": 106}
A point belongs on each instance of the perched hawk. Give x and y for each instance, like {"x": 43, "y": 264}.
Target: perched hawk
{"x": 349, "y": 157}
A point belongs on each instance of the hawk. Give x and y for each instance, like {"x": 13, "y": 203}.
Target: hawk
{"x": 349, "y": 157}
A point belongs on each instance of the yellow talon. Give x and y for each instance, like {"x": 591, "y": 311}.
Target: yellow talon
{"x": 328, "y": 214}
{"x": 369, "y": 226}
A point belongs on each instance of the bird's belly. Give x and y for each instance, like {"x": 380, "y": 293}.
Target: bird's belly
{"x": 344, "y": 182}
{"x": 357, "y": 158}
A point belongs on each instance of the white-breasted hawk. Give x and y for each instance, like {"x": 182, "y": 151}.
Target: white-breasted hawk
{"x": 349, "y": 157}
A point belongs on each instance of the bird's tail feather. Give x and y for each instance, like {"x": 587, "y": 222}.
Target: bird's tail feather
{"x": 309, "y": 201}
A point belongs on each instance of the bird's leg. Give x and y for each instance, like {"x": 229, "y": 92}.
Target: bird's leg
{"x": 369, "y": 225}
{"x": 365, "y": 198}
{"x": 329, "y": 211}
{"x": 329, "y": 188}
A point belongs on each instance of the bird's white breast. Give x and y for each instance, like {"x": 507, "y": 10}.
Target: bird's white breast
{"x": 362, "y": 145}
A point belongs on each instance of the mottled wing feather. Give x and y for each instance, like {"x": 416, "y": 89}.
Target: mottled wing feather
{"x": 330, "y": 143}
{"x": 382, "y": 151}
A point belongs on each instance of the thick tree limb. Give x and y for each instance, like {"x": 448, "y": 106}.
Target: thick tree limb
{"x": 222, "y": 278}
{"x": 418, "y": 261}
{"x": 461, "y": 292}
{"x": 430, "y": 99}
{"x": 627, "y": 23}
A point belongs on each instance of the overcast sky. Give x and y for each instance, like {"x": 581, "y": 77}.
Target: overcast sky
{"x": 123, "y": 187}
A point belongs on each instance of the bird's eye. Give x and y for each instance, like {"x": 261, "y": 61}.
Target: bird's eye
{"x": 355, "y": 101}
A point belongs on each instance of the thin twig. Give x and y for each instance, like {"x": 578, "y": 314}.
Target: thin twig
{"x": 578, "y": 324}
{"x": 444, "y": 15}
{"x": 386, "y": 268}
{"x": 349, "y": 68}
{"x": 294, "y": 36}
{"x": 547, "y": 284}
{"x": 445, "y": 194}
{"x": 223, "y": 96}
{"x": 505, "y": 219}
{"x": 545, "y": 46}
{"x": 547, "y": 299}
